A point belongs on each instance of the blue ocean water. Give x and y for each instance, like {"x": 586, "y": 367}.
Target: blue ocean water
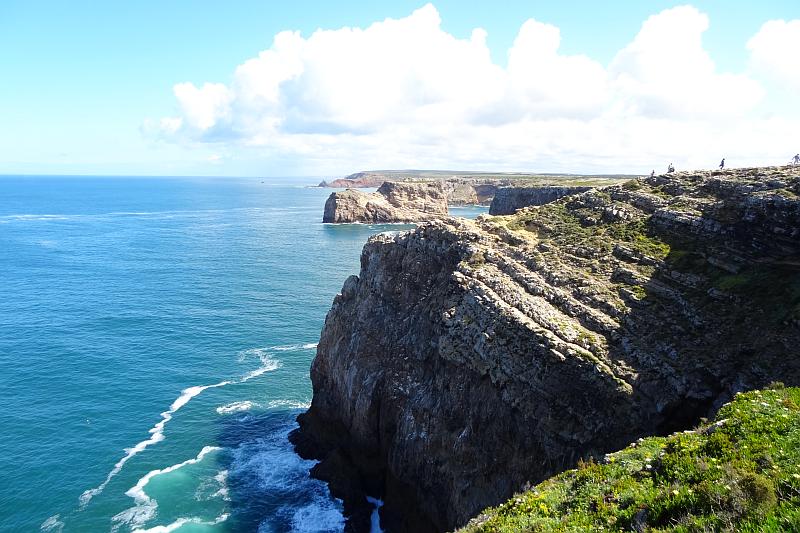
{"x": 155, "y": 341}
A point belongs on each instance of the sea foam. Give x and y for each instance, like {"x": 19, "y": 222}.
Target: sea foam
{"x": 268, "y": 469}
{"x": 145, "y": 508}
{"x": 235, "y": 407}
{"x": 375, "y": 517}
{"x": 180, "y": 522}
{"x": 53, "y": 523}
{"x": 268, "y": 364}
{"x": 156, "y": 435}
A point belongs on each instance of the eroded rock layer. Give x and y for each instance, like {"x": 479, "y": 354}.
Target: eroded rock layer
{"x": 392, "y": 202}
{"x": 470, "y": 358}
{"x": 509, "y": 200}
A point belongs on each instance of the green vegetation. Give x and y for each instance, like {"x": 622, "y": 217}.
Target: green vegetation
{"x": 773, "y": 288}
{"x": 741, "y": 473}
{"x": 561, "y": 225}
{"x": 632, "y": 185}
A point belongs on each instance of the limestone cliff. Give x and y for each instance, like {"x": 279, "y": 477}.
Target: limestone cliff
{"x": 392, "y": 202}
{"x": 471, "y": 188}
{"x": 509, "y": 200}
{"x": 470, "y": 358}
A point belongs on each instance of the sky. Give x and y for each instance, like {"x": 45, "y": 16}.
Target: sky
{"x": 317, "y": 88}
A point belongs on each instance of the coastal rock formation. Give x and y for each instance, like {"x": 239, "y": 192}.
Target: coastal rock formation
{"x": 459, "y": 191}
{"x": 470, "y": 188}
{"x": 470, "y": 358}
{"x": 393, "y": 202}
{"x": 509, "y": 200}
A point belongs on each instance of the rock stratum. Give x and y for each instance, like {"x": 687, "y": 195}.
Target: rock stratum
{"x": 468, "y": 359}
{"x": 470, "y": 188}
{"x": 392, "y": 202}
{"x": 509, "y": 200}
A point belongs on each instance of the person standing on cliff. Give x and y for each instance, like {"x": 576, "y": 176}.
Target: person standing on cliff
{"x": 722, "y": 164}
{"x": 796, "y": 159}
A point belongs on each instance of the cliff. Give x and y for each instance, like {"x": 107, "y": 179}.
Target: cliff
{"x": 392, "y": 202}
{"x": 509, "y": 200}
{"x": 740, "y": 472}
{"x": 470, "y": 188}
{"x": 470, "y": 358}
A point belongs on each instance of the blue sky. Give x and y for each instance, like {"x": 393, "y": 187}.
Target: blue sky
{"x": 80, "y": 82}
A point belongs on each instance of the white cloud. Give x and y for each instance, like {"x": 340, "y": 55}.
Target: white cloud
{"x": 666, "y": 72}
{"x": 775, "y": 49}
{"x": 405, "y": 93}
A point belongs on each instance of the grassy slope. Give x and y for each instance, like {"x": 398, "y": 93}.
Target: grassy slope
{"x": 740, "y": 473}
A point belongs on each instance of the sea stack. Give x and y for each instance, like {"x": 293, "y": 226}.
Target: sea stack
{"x": 392, "y": 202}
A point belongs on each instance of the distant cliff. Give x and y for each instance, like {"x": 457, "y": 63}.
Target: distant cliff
{"x": 470, "y": 358}
{"x": 392, "y": 202}
{"x": 469, "y": 188}
{"x": 509, "y": 200}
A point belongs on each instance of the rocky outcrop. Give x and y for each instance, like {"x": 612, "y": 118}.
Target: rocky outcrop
{"x": 470, "y": 188}
{"x": 470, "y": 358}
{"x": 509, "y": 200}
{"x": 359, "y": 180}
{"x": 393, "y": 202}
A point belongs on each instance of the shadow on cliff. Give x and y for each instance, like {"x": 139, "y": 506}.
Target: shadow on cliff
{"x": 715, "y": 318}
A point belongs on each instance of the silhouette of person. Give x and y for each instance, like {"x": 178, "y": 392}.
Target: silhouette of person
{"x": 796, "y": 159}
{"x": 722, "y": 164}
{"x": 670, "y": 168}
{"x": 652, "y": 173}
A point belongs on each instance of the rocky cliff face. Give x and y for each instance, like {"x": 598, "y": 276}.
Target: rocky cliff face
{"x": 509, "y": 200}
{"x": 393, "y": 202}
{"x": 469, "y": 358}
{"x": 459, "y": 191}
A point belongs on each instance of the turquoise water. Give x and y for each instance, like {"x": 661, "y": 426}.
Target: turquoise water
{"x": 155, "y": 340}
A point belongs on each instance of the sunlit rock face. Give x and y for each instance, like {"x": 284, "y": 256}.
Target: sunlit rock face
{"x": 392, "y": 202}
{"x": 469, "y": 358}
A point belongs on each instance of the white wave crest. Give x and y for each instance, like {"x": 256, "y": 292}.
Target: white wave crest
{"x": 53, "y": 523}
{"x": 180, "y": 522}
{"x": 268, "y": 364}
{"x": 235, "y": 407}
{"x": 145, "y": 508}
{"x": 222, "y": 479}
{"x": 293, "y": 347}
{"x": 318, "y": 516}
{"x": 291, "y": 404}
{"x": 157, "y": 435}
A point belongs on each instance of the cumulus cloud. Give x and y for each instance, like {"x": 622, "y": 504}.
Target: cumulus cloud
{"x": 775, "y": 49}
{"x": 666, "y": 72}
{"x": 405, "y": 93}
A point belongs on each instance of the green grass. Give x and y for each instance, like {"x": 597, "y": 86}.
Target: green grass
{"x": 740, "y": 474}
{"x": 561, "y": 225}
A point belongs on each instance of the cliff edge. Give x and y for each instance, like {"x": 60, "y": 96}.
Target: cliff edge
{"x": 468, "y": 359}
{"x": 509, "y": 200}
{"x": 392, "y": 202}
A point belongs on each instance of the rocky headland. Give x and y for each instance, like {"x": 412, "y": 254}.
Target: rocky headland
{"x": 469, "y": 188}
{"x": 392, "y": 202}
{"x": 509, "y": 200}
{"x": 468, "y": 359}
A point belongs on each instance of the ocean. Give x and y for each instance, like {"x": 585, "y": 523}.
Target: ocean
{"x": 156, "y": 336}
